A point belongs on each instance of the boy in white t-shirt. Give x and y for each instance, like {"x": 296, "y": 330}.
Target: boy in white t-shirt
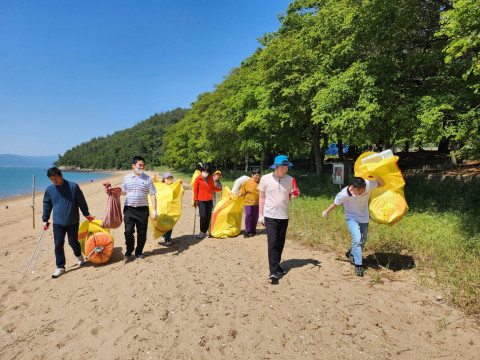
{"x": 355, "y": 201}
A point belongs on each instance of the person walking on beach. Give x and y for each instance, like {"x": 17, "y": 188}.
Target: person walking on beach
{"x": 275, "y": 193}
{"x": 137, "y": 186}
{"x": 167, "y": 179}
{"x": 203, "y": 198}
{"x": 249, "y": 189}
{"x": 64, "y": 198}
{"x": 355, "y": 202}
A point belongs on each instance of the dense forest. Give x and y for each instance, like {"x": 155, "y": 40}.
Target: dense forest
{"x": 373, "y": 74}
{"x": 116, "y": 151}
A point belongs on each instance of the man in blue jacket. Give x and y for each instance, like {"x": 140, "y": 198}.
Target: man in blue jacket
{"x": 64, "y": 198}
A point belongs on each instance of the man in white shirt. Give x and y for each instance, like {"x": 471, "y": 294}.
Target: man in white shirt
{"x": 275, "y": 193}
{"x": 137, "y": 186}
{"x": 355, "y": 202}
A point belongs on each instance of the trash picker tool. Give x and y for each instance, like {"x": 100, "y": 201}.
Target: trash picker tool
{"x": 295, "y": 187}
{"x": 194, "y": 221}
{"x": 38, "y": 249}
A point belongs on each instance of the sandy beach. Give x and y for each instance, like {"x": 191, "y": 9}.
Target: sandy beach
{"x": 210, "y": 299}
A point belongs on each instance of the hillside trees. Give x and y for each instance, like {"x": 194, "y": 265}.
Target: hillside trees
{"x": 117, "y": 150}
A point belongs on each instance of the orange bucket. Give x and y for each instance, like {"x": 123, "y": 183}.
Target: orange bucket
{"x": 99, "y": 247}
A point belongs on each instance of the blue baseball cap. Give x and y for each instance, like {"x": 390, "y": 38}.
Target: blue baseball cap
{"x": 167, "y": 175}
{"x": 281, "y": 160}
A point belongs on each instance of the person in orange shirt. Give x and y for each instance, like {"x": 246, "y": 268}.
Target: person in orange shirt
{"x": 203, "y": 198}
{"x": 249, "y": 189}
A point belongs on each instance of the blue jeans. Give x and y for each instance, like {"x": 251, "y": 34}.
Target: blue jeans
{"x": 59, "y": 232}
{"x": 359, "y": 238}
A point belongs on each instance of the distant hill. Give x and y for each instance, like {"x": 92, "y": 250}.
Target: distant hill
{"x": 116, "y": 151}
{"x": 27, "y": 161}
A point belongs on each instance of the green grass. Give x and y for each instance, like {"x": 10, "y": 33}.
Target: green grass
{"x": 439, "y": 236}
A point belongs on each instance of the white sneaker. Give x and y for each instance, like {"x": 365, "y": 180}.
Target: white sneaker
{"x": 58, "y": 272}
{"x": 201, "y": 235}
{"x": 80, "y": 260}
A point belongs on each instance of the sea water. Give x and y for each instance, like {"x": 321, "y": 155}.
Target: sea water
{"x": 16, "y": 181}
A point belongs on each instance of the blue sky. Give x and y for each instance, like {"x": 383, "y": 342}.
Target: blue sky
{"x": 73, "y": 70}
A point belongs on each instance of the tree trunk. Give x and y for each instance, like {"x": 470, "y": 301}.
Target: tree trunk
{"x": 340, "y": 149}
{"x": 324, "y": 149}
{"x": 262, "y": 161}
{"x": 316, "y": 152}
{"x": 312, "y": 160}
{"x": 319, "y": 151}
{"x": 453, "y": 155}
{"x": 246, "y": 163}
{"x": 407, "y": 146}
{"x": 443, "y": 145}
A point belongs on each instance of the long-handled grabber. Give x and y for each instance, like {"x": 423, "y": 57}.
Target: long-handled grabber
{"x": 301, "y": 210}
{"x": 294, "y": 188}
{"x": 293, "y": 216}
{"x": 39, "y": 248}
{"x": 194, "y": 221}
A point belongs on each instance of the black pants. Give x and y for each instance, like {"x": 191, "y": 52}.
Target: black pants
{"x": 205, "y": 211}
{"x": 276, "y": 233}
{"x": 59, "y": 232}
{"x": 135, "y": 216}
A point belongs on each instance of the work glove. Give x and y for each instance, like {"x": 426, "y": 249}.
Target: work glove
{"x": 46, "y": 224}
{"x": 195, "y": 204}
{"x": 90, "y": 218}
{"x": 295, "y": 192}
{"x": 261, "y": 219}
{"x": 107, "y": 186}
{"x": 325, "y": 215}
{"x": 153, "y": 214}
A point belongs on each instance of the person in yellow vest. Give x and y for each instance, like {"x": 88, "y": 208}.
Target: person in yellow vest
{"x": 249, "y": 189}
{"x": 167, "y": 179}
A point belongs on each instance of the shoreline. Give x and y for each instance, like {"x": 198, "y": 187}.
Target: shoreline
{"x": 21, "y": 197}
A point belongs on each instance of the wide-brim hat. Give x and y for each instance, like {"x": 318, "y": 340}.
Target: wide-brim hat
{"x": 281, "y": 160}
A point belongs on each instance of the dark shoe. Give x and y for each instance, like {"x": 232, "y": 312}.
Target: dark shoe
{"x": 358, "y": 270}
{"x": 349, "y": 256}
{"x": 247, "y": 235}
{"x": 141, "y": 256}
{"x": 128, "y": 253}
{"x": 280, "y": 271}
{"x": 273, "y": 277}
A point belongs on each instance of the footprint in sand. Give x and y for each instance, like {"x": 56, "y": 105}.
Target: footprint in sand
{"x": 9, "y": 328}
{"x": 96, "y": 330}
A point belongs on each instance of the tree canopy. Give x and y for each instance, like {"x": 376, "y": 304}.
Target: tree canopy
{"x": 367, "y": 72}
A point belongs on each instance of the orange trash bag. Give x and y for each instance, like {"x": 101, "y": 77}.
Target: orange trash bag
{"x": 113, "y": 213}
{"x": 99, "y": 247}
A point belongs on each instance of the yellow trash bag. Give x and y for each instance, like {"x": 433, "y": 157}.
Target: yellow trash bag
{"x": 387, "y": 204}
{"x": 169, "y": 207}
{"x": 87, "y": 228}
{"x": 227, "y": 215}
{"x": 192, "y": 183}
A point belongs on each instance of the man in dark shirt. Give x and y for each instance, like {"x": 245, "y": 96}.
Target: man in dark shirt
{"x": 64, "y": 197}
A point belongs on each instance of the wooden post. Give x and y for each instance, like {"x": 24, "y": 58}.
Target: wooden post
{"x": 33, "y": 201}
